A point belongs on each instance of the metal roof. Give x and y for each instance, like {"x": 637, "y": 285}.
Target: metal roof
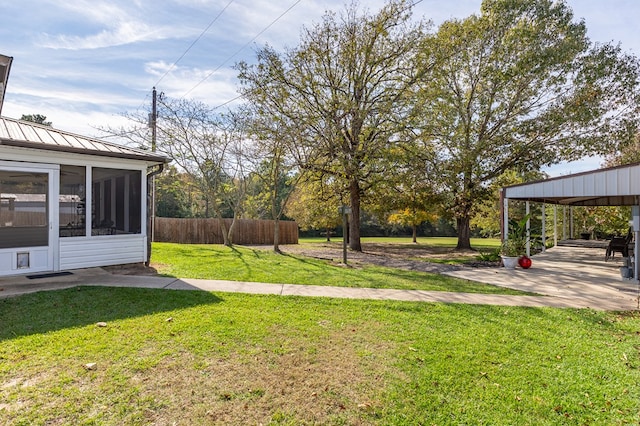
{"x": 26, "y": 134}
{"x": 613, "y": 186}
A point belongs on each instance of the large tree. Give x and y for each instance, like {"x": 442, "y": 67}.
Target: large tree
{"x": 519, "y": 86}
{"x": 343, "y": 88}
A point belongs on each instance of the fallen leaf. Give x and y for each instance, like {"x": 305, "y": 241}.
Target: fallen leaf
{"x": 91, "y": 366}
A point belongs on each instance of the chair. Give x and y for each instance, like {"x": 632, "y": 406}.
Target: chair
{"x": 620, "y": 245}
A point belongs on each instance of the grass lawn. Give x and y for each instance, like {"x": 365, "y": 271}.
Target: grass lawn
{"x": 257, "y": 265}
{"x": 196, "y": 358}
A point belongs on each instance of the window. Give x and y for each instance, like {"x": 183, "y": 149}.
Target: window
{"x": 72, "y": 201}
{"x": 24, "y": 209}
{"x": 117, "y": 205}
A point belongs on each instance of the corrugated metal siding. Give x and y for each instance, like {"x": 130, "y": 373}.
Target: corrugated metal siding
{"x": 24, "y": 131}
{"x": 109, "y": 250}
{"x": 621, "y": 181}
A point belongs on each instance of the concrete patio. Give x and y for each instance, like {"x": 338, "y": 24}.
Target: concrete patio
{"x": 577, "y": 275}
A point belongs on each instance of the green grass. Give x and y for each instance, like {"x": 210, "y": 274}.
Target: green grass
{"x": 195, "y": 358}
{"x": 258, "y": 265}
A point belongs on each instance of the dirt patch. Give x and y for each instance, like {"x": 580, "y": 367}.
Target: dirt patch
{"x": 131, "y": 269}
{"x": 408, "y": 257}
{"x": 326, "y": 382}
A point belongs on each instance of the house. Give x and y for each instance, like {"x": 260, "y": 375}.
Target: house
{"x": 68, "y": 201}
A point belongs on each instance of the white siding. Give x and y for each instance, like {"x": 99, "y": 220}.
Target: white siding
{"x": 85, "y": 252}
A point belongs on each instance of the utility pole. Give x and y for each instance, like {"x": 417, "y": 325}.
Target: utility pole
{"x": 151, "y": 186}
{"x": 153, "y": 118}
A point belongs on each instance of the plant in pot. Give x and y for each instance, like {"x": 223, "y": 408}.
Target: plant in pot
{"x": 515, "y": 246}
{"x": 511, "y": 250}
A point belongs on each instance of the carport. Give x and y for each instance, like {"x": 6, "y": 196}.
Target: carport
{"x": 613, "y": 186}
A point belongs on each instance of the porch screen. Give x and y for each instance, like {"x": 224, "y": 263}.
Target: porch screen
{"x": 23, "y": 209}
{"x": 72, "y": 201}
{"x": 117, "y": 204}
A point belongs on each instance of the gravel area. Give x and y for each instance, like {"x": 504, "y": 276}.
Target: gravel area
{"x": 400, "y": 256}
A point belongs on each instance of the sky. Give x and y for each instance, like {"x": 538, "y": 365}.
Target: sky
{"x": 85, "y": 64}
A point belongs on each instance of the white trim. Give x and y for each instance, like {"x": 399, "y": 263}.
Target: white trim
{"x": 72, "y": 159}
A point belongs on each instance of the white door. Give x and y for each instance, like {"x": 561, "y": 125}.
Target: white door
{"x": 28, "y": 217}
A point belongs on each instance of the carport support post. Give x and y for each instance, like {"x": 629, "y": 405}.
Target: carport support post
{"x": 544, "y": 227}
{"x": 527, "y": 212}
{"x": 635, "y": 215}
{"x": 555, "y": 225}
{"x": 571, "y": 223}
{"x": 505, "y": 219}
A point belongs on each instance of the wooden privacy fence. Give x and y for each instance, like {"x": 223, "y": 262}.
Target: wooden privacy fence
{"x": 208, "y": 231}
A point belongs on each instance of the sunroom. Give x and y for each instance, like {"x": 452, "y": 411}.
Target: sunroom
{"x": 68, "y": 201}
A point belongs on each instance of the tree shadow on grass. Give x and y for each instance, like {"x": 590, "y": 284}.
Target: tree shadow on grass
{"x": 47, "y": 311}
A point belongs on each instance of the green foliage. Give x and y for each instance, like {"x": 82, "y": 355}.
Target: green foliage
{"x": 628, "y": 153}
{"x": 516, "y": 243}
{"x": 513, "y": 247}
{"x": 314, "y": 204}
{"x": 517, "y": 87}
{"x": 490, "y": 256}
{"x": 36, "y": 118}
{"x": 486, "y": 220}
{"x": 174, "y": 194}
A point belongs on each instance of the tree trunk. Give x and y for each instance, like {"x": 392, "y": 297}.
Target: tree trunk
{"x": 229, "y": 242}
{"x": 354, "y": 225}
{"x": 464, "y": 233}
{"x": 415, "y": 233}
{"x": 328, "y": 233}
{"x": 223, "y": 228}
{"x": 275, "y": 214}
{"x": 276, "y": 235}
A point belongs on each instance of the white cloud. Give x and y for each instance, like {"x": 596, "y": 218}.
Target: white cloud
{"x": 123, "y": 33}
{"x": 211, "y": 86}
{"x": 112, "y": 23}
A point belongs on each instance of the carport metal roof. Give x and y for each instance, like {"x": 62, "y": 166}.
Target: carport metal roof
{"x": 613, "y": 186}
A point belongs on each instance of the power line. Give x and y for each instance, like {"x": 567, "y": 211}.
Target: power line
{"x": 241, "y": 49}
{"x": 194, "y": 42}
{"x": 258, "y": 35}
{"x": 228, "y": 102}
